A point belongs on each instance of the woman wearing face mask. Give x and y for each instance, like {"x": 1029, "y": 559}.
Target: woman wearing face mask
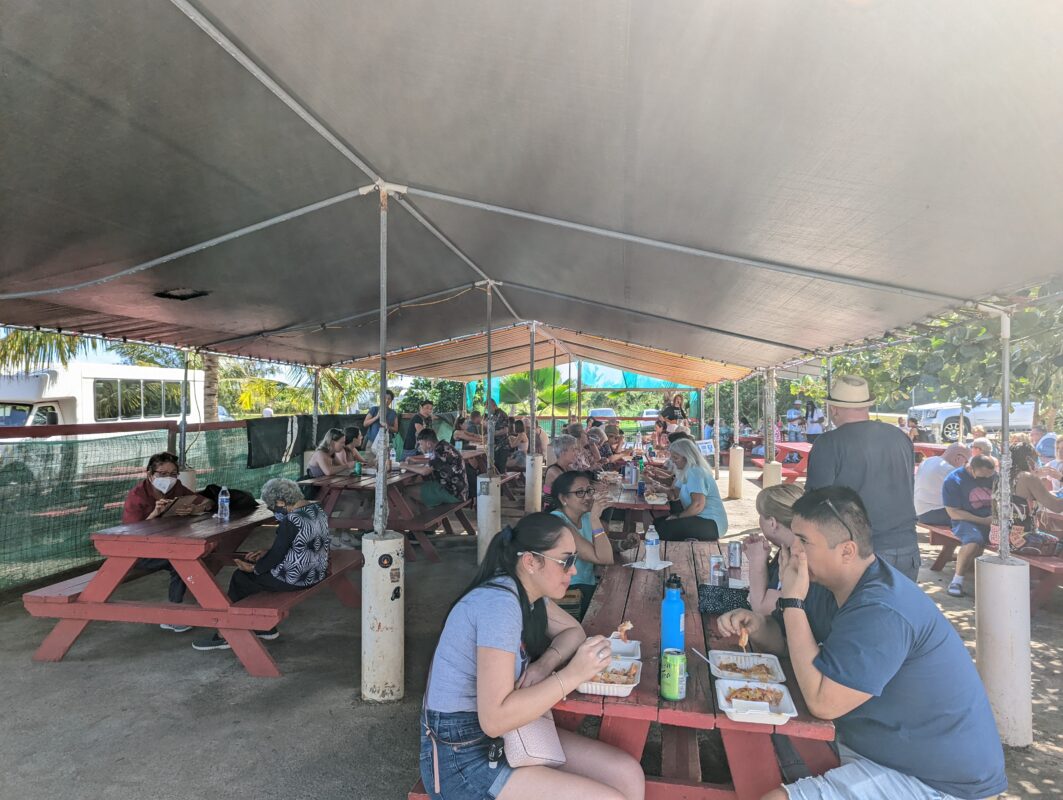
{"x": 297, "y": 559}
{"x": 579, "y": 506}
{"x": 507, "y": 655}
{"x": 148, "y": 500}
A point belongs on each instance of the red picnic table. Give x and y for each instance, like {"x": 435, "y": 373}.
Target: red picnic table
{"x": 928, "y": 449}
{"x": 635, "y": 595}
{"x": 791, "y": 471}
{"x": 635, "y": 508}
{"x": 401, "y": 515}
{"x": 198, "y": 547}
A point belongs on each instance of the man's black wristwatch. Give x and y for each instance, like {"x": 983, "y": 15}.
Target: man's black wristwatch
{"x": 789, "y": 602}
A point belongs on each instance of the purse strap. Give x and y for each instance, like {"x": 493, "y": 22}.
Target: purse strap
{"x": 431, "y": 734}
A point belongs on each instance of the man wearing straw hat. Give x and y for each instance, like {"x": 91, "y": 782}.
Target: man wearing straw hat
{"x": 876, "y": 460}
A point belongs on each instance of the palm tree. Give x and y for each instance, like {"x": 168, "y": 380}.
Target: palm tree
{"x": 26, "y": 351}
{"x": 552, "y": 395}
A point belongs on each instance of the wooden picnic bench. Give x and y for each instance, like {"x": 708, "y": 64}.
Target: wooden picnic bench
{"x": 198, "y": 548}
{"x": 1049, "y": 569}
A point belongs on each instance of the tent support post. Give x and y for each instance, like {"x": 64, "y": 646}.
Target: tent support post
{"x": 736, "y": 457}
{"x": 553, "y": 396}
{"x": 533, "y": 467}
{"x": 185, "y": 475}
{"x": 715, "y": 425}
{"x": 488, "y": 485}
{"x": 772, "y": 468}
{"x": 579, "y": 390}
{"x": 317, "y": 404}
{"x": 1002, "y": 591}
{"x": 383, "y": 606}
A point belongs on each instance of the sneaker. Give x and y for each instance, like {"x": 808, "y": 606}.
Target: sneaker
{"x": 166, "y": 626}
{"x": 215, "y": 642}
{"x": 269, "y": 635}
{"x": 956, "y": 589}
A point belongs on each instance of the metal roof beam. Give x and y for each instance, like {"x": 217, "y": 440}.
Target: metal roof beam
{"x": 773, "y": 266}
{"x": 659, "y": 317}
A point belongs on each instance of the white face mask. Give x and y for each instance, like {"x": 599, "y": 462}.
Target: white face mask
{"x": 163, "y": 483}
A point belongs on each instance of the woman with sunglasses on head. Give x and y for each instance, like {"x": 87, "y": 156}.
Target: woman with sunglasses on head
{"x": 506, "y": 656}
{"x": 775, "y": 507}
{"x": 577, "y": 504}
{"x": 697, "y": 508}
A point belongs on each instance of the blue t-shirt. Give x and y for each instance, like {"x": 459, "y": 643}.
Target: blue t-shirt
{"x": 964, "y": 491}
{"x": 928, "y": 715}
{"x": 1046, "y": 447}
{"x": 488, "y": 616}
{"x": 584, "y": 569}
{"x": 698, "y": 481}
{"x": 371, "y": 432}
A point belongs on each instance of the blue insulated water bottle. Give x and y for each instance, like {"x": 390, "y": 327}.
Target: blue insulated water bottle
{"x": 673, "y": 616}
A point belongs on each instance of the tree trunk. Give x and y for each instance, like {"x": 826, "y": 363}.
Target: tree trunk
{"x": 210, "y": 387}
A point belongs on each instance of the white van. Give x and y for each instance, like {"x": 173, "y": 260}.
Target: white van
{"x": 86, "y": 394}
{"x": 83, "y": 394}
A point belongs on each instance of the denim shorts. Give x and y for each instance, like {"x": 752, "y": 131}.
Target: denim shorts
{"x": 859, "y": 778}
{"x": 461, "y": 747}
{"x": 969, "y": 533}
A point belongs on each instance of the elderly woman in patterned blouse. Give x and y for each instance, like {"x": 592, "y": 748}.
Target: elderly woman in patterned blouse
{"x": 298, "y": 558}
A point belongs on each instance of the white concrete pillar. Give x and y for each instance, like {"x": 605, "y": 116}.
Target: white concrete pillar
{"x": 533, "y": 478}
{"x": 772, "y": 474}
{"x": 735, "y": 466}
{"x": 1002, "y": 644}
{"x": 383, "y": 617}
{"x": 488, "y": 513}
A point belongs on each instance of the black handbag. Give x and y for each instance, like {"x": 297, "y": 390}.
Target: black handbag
{"x": 717, "y": 600}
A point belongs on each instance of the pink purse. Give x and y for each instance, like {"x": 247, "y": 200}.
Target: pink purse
{"x": 534, "y": 744}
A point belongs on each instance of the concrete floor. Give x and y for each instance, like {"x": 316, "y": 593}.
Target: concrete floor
{"x": 135, "y": 712}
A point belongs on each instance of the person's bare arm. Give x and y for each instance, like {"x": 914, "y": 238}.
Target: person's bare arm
{"x": 959, "y": 515}
{"x": 1031, "y": 486}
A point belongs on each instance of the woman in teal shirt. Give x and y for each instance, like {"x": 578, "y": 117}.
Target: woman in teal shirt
{"x": 581, "y": 508}
{"x": 697, "y": 508}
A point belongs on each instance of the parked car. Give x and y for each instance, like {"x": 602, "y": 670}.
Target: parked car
{"x": 649, "y": 419}
{"x": 602, "y": 414}
{"x": 943, "y": 419}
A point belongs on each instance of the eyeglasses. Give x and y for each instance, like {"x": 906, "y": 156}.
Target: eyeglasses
{"x": 567, "y": 563}
{"x": 588, "y": 492}
{"x": 840, "y": 518}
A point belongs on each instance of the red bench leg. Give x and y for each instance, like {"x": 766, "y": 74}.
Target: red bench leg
{"x": 252, "y": 653}
{"x": 943, "y": 557}
{"x": 754, "y": 766}
{"x": 58, "y": 642}
{"x": 426, "y": 547}
{"x": 1042, "y": 592}
{"x": 411, "y": 554}
{"x": 627, "y": 734}
{"x": 348, "y": 593}
{"x": 463, "y": 518}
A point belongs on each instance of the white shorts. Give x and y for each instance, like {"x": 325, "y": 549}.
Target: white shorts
{"x": 860, "y": 778}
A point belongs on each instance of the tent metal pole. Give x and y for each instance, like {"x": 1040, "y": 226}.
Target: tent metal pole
{"x": 736, "y": 414}
{"x": 773, "y": 266}
{"x": 317, "y": 405}
{"x": 618, "y": 309}
{"x": 830, "y": 381}
{"x": 716, "y": 424}
{"x": 383, "y": 439}
{"x": 489, "y": 420}
{"x": 195, "y": 248}
{"x": 532, "y": 449}
{"x": 769, "y": 415}
{"x": 579, "y": 390}
{"x": 1004, "y": 500}
{"x": 182, "y": 427}
{"x": 553, "y": 395}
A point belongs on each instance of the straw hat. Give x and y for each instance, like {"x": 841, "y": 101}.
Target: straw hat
{"x": 849, "y": 391}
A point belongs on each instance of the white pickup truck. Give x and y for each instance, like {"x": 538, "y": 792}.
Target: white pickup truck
{"x": 944, "y": 418}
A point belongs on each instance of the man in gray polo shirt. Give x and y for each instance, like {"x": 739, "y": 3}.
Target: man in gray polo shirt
{"x": 877, "y": 461}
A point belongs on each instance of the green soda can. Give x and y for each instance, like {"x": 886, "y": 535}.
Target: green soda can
{"x": 357, "y": 467}
{"x": 673, "y": 675}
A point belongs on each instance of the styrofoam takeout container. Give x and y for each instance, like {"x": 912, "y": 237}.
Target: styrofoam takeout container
{"x": 614, "y": 689}
{"x": 630, "y": 650}
{"x": 757, "y": 713}
{"x": 717, "y": 657}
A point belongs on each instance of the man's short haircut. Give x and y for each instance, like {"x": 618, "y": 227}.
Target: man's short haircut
{"x": 389, "y": 393}
{"x": 427, "y": 434}
{"x": 474, "y": 414}
{"x": 983, "y": 462}
{"x": 675, "y": 436}
{"x": 839, "y": 514}
{"x": 425, "y": 402}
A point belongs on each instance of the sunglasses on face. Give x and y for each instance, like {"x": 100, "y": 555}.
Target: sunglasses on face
{"x": 567, "y": 563}
{"x": 839, "y": 517}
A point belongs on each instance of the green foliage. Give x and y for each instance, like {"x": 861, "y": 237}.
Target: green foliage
{"x": 27, "y": 351}
{"x": 146, "y": 355}
{"x": 552, "y": 394}
{"x": 445, "y": 395}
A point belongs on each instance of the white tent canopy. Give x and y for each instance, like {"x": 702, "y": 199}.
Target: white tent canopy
{"x": 742, "y": 183}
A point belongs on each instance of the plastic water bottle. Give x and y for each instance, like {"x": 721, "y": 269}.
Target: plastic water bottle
{"x": 223, "y": 504}
{"x": 673, "y": 616}
{"x": 653, "y": 547}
